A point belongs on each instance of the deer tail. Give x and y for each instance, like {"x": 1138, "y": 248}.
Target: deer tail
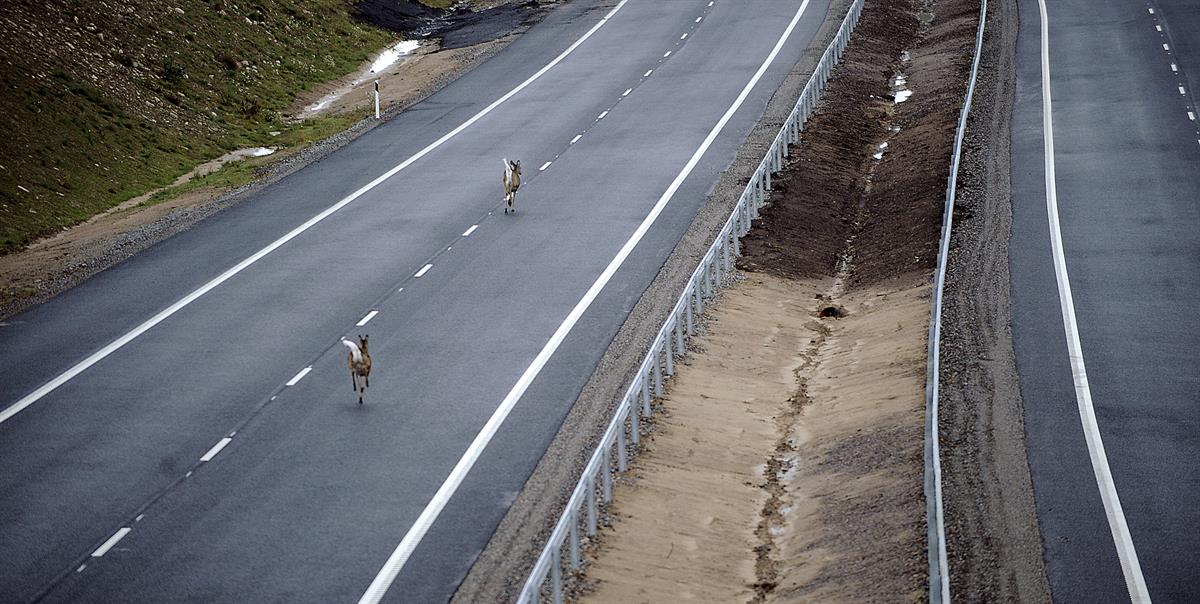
{"x": 353, "y": 350}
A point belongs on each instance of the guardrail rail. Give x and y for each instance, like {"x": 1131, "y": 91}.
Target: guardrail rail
{"x": 562, "y": 552}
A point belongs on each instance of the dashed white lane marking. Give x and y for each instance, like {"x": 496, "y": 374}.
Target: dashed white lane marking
{"x": 601, "y": 116}
{"x": 1191, "y": 116}
{"x": 666, "y": 54}
{"x": 467, "y": 233}
{"x": 433, "y": 509}
{"x": 627, "y": 91}
{"x": 366, "y": 319}
{"x": 1151, "y": 10}
{"x": 547, "y": 164}
{"x": 299, "y": 376}
{"x": 576, "y": 139}
{"x": 710, "y": 3}
{"x": 1174, "y": 67}
{"x": 424, "y": 269}
{"x": 683, "y": 37}
{"x": 698, "y": 19}
{"x": 1158, "y": 27}
{"x": 400, "y": 290}
{"x": 81, "y": 567}
{"x": 647, "y": 74}
{"x": 1122, "y": 539}
{"x": 1182, "y": 91}
{"x": 139, "y": 517}
{"x": 117, "y": 536}
{"x": 216, "y": 449}
{"x": 129, "y": 336}
{"x": 1167, "y": 47}
{"x": 188, "y": 475}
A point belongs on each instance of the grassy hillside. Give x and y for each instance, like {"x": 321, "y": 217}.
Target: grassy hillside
{"x": 105, "y": 100}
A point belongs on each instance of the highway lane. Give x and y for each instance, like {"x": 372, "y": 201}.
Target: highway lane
{"x": 1125, "y": 165}
{"x": 312, "y": 492}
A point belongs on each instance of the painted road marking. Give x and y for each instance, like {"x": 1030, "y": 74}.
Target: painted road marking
{"x": 667, "y": 54}
{"x": 683, "y": 37}
{"x": 366, "y": 319}
{"x": 601, "y": 116}
{"x": 1167, "y": 47}
{"x": 698, "y": 19}
{"x": 299, "y": 376}
{"x": 1151, "y": 11}
{"x": 1182, "y": 91}
{"x": 117, "y": 536}
{"x": 216, "y": 449}
{"x": 547, "y": 164}
{"x": 1158, "y": 27}
{"x": 1174, "y": 67}
{"x": 627, "y": 91}
{"x": 115, "y": 345}
{"x": 1191, "y": 116}
{"x": 647, "y": 74}
{"x": 420, "y": 527}
{"x": 466, "y": 233}
{"x": 424, "y": 269}
{"x": 576, "y": 139}
{"x": 1130, "y": 567}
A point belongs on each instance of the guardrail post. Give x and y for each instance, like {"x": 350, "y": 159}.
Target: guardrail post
{"x": 622, "y": 454}
{"x": 657, "y": 371}
{"x": 679, "y": 333}
{"x": 606, "y": 474}
{"x": 691, "y": 328}
{"x": 574, "y": 540}
{"x": 700, "y": 293}
{"x": 668, "y": 335}
{"x": 556, "y": 582}
{"x": 635, "y": 433}
{"x": 591, "y": 505}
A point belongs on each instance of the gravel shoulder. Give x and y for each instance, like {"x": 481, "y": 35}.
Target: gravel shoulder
{"x": 993, "y": 542}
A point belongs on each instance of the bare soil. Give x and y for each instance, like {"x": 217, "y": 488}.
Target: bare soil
{"x": 786, "y": 460}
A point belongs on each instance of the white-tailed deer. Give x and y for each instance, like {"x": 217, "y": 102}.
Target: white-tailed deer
{"x": 512, "y": 182}
{"x": 360, "y": 365}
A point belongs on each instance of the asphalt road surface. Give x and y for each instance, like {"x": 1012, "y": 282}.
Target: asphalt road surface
{"x": 104, "y": 496}
{"x": 1126, "y": 169}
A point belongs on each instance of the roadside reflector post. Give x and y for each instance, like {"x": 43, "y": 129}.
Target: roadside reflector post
{"x": 376, "y": 99}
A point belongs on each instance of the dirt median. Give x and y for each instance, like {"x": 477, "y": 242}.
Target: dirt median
{"x": 836, "y": 510}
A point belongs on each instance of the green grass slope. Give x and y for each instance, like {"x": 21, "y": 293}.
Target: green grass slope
{"x": 102, "y": 101}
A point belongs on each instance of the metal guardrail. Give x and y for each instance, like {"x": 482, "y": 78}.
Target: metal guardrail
{"x": 562, "y": 551}
{"x": 939, "y": 568}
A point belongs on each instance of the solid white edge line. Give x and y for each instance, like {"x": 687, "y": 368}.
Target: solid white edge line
{"x": 366, "y": 319}
{"x": 117, "y": 536}
{"x": 576, "y": 139}
{"x": 412, "y": 538}
{"x": 424, "y": 269}
{"x": 115, "y": 345}
{"x": 216, "y": 449}
{"x": 545, "y": 165}
{"x": 467, "y": 233}
{"x": 299, "y": 376}
{"x": 1130, "y": 567}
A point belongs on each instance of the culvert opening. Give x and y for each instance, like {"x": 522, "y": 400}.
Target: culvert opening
{"x": 836, "y": 312}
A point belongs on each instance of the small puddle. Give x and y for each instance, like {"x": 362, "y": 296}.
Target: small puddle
{"x": 399, "y": 52}
{"x": 899, "y": 85}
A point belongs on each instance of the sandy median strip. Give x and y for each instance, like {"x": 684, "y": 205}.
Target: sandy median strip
{"x": 785, "y": 464}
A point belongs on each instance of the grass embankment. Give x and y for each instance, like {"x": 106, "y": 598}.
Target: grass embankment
{"x": 105, "y": 101}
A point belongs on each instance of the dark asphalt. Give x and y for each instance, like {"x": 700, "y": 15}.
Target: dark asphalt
{"x": 1128, "y": 177}
{"x": 314, "y": 492}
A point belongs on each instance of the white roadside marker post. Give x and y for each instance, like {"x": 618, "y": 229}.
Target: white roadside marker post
{"x": 376, "y": 99}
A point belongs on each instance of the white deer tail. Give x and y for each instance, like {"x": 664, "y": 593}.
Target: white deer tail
{"x": 353, "y": 350}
